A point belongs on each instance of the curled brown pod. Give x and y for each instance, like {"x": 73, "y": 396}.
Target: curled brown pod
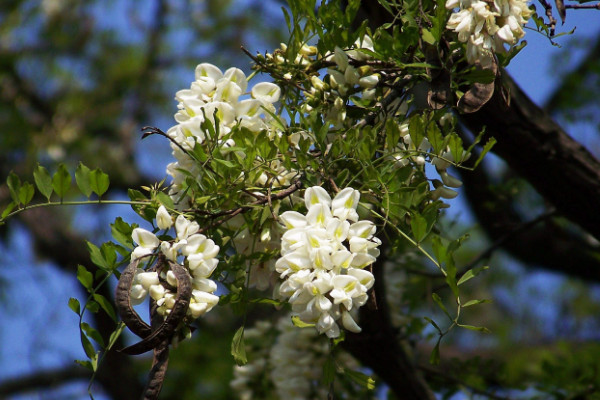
{"x": 166, "y": 330}
{"x": 123, "y": 302}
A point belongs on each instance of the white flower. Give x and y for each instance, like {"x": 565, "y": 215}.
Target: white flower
{"x": 322, "y": 256}
{"x": 266, "y": 91}
{"x": 145, "y": 238}
{"x": 185, "y": 227}
{"x": 315, "y": 195}
{"x": 163, "y": 219}
{"x": 344, "y": 204}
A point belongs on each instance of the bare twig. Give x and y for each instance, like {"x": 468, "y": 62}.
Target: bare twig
{"x": 551, "y": 20}
{"x": 583, "y": 6}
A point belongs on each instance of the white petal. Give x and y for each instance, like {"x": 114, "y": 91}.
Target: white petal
{"x": 365, "y": 277}
{"x": 319, "y": 215}
{"x": 157, "y": 292}
{"x": 208, "y": 70}
{"x": 266, "y": 91}
{"x": 236, "y": 75}
{"x": 147, "y": 279}
{"x": 293, "y": 219}
{"x": 363, "y": 229}
{"x": 349, "y": 323}
{"x": 137, "y": 294}
{"x": 205, "y": 285}
{"x": 145, "y": 238}
{"x": 163, "y": 219}
{"x": 316, "y": 194}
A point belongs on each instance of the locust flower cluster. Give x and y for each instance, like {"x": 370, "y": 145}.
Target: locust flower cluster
{"x": 282, "y": 358}
{"x": 216, "y": 97}
{"x": 406, "y": 152}
{"x": 323, "y": 256}
{"x": 189, "y": 248}
{"x": 487, "y": 26}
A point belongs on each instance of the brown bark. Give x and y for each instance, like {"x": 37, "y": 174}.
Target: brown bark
{"x": 378, "y": 347}
{"x": 538, "y": 149}
{"x": 545, "y": 245}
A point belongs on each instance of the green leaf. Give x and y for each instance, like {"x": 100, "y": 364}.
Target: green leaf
{"x": 121, "y": 232}
{"x": 14, "y": 186}
{"x": 472, "y": 273}
{"x": 43, "y": 181}
{"x": 109, "y": 255}
{"x": 115, "y": 335}
{"x": 418, "y": 225}
{"x": 328, "y": 371}
{"x": 432, "y": 322}
{"x": 439, "y": 250}
{"x": 299, "y": 323}
{"x": 92, "y": 333}
{"x": 61, "y": 181}
{"x": 88, "y": 347}
{"x": 99, "y": 182}
{"x": 82, "y": 177}
{"x": 441, "y": 305}
{"x": 96, "y": 255}
{"x": 8, "y": 209}
{"x": 85, "y": 277}
{"x": 434, "y": 358}
{"x": 456, "y": 147}
{"x": 427, "y": 36}
{"x": 475, "y": 328}
{"x": 361, "y": 379}
{"x": 435, "y": 137}
{"x": 451, "y": 276}
{"x": 165, "y": 200}
{"x": 26, "y": 193}
{"x": 85, "y": 364}
{"x": 475, "y": 302}
{"x": 488, "y": 146}
{"x": 480, "y": 75}
{"x": 74, "y": 305}
{"x": 106, "y": 306}
{"x": 92, "y": 306}
{"x": 238, "y": 347}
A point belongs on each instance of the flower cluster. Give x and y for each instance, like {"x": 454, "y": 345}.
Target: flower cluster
{"x": 486, "y": 26}
{"x": 283, "y": 358}
{"x": 406, "y": 151}
{"x": 215, "y": 93}
{"x": 323, "y": 256}
{"x": 193, "y": 250}
{"x": 345, "y": 79}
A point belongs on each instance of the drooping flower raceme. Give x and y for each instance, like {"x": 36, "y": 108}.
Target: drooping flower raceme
{"x": 323, "y": 256}
{"x": 189, "y": 248}
{"x": 217, "y": 94}
{"x": 487, "y": 26}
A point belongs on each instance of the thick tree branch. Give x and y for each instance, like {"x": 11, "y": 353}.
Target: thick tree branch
{"x": 377, "y": 346}
{"x": 42, "y": 380}
{"x": 545, "y": 245}
{"x": 538, "y": 149}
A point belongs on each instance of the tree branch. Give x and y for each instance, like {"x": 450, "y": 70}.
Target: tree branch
{"x": 538, "y": 149}
{"x": 545, "y": 244}
{"x": 377, "y": 346}
{"x": 43, "y": 380}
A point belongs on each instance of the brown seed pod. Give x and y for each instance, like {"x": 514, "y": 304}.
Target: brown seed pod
{"x": 123, "y": 302}
{"x": 166, "y": 330}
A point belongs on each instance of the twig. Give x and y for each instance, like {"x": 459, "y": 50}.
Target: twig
{"x": 583, "y": 6}
{"x": 551, "y": 20}
{"x": 264, "y": 200}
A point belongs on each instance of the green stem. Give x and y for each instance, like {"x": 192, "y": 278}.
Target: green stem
{"x": 72, "y": 203}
